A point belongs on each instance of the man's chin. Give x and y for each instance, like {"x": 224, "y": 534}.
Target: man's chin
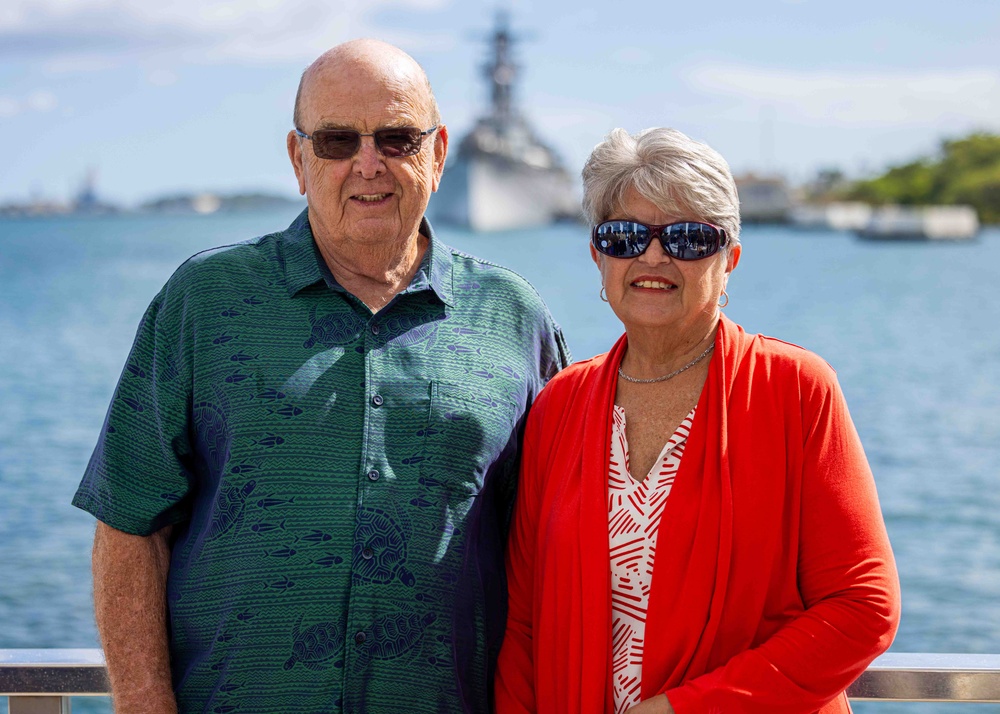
{"x": 364, "y": 226}
{"x": 381, "y": 229}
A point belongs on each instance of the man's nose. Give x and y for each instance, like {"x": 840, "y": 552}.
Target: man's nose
{"x": 368, "y": 162}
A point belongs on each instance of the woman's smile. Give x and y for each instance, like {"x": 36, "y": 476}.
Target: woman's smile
{"x": 653, "y": 284}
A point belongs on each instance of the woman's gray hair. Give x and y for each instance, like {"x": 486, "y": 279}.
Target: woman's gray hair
{"x": 677, "y": 174}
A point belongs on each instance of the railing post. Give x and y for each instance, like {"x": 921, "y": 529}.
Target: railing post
{"x": 38, "y": 705}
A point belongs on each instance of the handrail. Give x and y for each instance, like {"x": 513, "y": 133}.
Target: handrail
{"x": 77, "y": 673}
{"x": 41, "y": 680}
{"x": 930, "y": 677}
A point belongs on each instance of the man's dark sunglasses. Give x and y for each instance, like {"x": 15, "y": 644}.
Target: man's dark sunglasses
{"x": 684, "y": 241}
{"x": 344, "y": 143}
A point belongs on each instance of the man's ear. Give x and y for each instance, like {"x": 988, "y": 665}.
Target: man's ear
{"x": 440, "y": 154}
{"x": 295, "y": 155}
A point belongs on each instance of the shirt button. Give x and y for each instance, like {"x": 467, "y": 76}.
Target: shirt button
{"x": 374, "y": 475}
{"x": 377, "y": 400}
{"x": 359, "y": 638}
{"x": 367, "y": 553}
{"x": 375, "y": 329}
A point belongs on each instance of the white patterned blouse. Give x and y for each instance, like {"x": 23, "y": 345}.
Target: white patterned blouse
{"x": 634, "y": 511}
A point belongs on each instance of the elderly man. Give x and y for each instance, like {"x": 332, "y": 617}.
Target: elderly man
{"x": 304, "y": 479}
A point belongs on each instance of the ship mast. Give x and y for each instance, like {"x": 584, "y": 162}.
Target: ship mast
{"x": 501, "y": 73}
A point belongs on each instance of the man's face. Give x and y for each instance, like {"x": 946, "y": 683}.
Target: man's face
{"x": 368, "y": 198}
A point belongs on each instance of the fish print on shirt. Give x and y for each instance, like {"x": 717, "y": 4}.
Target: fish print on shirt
{"x": 317, "y": 512}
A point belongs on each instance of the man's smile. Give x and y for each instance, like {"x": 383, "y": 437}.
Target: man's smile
{"x": 371, "y": 197}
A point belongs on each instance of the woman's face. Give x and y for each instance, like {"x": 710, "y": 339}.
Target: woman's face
{"x": 654, "y": 290}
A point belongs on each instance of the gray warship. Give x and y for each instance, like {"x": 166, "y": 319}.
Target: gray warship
{"x": 504, "y": 177}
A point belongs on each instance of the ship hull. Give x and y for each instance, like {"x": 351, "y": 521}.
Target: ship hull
{"x": 492, "y": 193}
{"x": 946, "y": 223}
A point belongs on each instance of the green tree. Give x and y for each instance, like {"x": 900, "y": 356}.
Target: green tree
{"x": 965, "y": 170}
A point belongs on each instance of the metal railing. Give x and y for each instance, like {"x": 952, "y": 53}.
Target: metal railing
{"x": 42, "y": 681}
{"x": 929, "y": 677}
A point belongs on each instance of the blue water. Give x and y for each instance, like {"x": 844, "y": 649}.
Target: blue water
{"x": 910, "y": 328}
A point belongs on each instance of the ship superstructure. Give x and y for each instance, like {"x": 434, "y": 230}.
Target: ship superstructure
{"x": 504, "y": 176}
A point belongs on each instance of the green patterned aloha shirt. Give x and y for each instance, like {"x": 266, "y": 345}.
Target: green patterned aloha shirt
{"x": 340, "y": 483}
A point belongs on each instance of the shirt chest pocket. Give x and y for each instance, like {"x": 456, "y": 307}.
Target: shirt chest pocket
{"x": 469, "y": 430}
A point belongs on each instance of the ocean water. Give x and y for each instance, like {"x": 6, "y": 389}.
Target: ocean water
{"x": 910, "y": 328}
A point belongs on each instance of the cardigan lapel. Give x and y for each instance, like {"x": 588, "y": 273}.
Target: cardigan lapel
{"x": 694, "y": 545}
{"x": 593, "y": 531}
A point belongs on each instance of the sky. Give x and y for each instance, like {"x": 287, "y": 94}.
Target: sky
{"x": 196, "y": 95}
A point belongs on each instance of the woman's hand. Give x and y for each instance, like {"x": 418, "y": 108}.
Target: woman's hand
{"x": 655, "y": 705}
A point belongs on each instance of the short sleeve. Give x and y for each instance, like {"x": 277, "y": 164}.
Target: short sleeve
{"x": 555, "y": 352}
{"x": 140, "y": 474}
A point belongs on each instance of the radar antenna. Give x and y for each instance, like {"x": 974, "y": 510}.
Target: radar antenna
{"x": 501, "y": 73}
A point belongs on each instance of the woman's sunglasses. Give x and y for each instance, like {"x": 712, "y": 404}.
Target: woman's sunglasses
{"x": 683, "y": 241}
{"x": 344, "y": 143}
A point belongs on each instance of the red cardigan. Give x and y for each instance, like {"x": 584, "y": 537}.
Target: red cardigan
{"x": 774, "y": 584}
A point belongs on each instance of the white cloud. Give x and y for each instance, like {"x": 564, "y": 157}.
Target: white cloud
{"x": 9, "y": 107}
{"x": 246, "y": 30}
{"x": 859, "y": 98}
{"x": 41, "y": 101}
{"x": 161, "y": 77}
{"x": 38, "y": 101}
{"x": 74, "y": 64}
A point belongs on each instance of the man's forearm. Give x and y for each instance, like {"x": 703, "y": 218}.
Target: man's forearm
{"x": 130, "y": 602}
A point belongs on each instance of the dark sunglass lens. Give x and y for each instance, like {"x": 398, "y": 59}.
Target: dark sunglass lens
{"x": 691, "y": 241}
{"x": 621, "y": 239}
{"x": 336, "y": 143}
{"x": 398, "y": 142}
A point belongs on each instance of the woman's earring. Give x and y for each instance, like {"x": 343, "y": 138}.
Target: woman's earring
{"x": 604, "y": 295}
{"x": 726, "y": 296}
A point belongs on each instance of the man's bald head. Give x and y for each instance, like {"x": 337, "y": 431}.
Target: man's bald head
{"x": 378, "y": 60}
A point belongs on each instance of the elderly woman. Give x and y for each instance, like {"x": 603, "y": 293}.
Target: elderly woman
{"x": 697, "y": 528}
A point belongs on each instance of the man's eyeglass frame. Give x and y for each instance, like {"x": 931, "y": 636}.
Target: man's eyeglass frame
{"x": 382, "y": 143}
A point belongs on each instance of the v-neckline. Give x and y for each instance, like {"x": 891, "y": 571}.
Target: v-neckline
{"x": 672, "y": 443}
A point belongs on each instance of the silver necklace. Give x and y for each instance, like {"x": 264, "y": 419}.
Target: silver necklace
{"x": 673, "y": 374}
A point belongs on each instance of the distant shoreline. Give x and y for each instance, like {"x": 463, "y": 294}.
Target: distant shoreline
{"x": 194, "y": 204}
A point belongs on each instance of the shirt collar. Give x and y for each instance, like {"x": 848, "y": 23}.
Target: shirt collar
{"x": 304, "y": 264}
{"x": 301, "y": 257}
{"x": 436, "y": 269}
